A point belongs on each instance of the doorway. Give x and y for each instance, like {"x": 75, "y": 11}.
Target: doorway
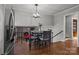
{"x": 75, "y": 36}
{"x": 71, "y": 30}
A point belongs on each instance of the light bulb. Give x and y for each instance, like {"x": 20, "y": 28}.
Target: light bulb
{"x": 38, "y": 15}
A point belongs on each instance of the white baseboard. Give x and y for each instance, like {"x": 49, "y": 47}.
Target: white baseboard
{"x": 59, "y": 40}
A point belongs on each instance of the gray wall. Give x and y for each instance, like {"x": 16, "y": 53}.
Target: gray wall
{"x": 68, "y": 26}
{"x": 3, "y": 18}
{"x": 24, "y": 19}
{"x": 1, "y": 29}
{"x": 7, "y": 15}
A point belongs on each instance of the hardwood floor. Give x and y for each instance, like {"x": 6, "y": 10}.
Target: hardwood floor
{"x": 57, "y": 48}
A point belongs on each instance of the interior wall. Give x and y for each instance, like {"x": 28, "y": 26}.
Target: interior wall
{"x": 25, "y": 19}
{"x": 56, "y": 29}
{"x": 1, "y": 29}
{"x": 7, "y": 15}
{"x": 59, "y": 19}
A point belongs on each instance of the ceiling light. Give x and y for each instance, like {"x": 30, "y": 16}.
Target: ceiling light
{"x": 36, "y": 14}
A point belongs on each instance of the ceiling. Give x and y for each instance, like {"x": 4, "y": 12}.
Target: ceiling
{"x": 47, "y": 9}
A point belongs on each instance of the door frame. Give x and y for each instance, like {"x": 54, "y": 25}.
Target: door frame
{"x": 72, "y": 26}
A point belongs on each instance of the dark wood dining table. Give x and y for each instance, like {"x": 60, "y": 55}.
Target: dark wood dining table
{"x": 34, "y": 40}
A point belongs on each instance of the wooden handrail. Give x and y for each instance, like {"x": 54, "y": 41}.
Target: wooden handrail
{"x": 57, "y": 34}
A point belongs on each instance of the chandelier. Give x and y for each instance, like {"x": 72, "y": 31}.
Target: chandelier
{"x": 36, "y": 14}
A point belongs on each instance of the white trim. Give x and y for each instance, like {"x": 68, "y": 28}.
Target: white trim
{"x": 64, "y": 27}
{"x": 67, "y": 10}
{"x": 59, "y": 40}
{"x": 77, "y": 29}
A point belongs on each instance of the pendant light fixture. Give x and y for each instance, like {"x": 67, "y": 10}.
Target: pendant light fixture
{"x": 36, "y": 14}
